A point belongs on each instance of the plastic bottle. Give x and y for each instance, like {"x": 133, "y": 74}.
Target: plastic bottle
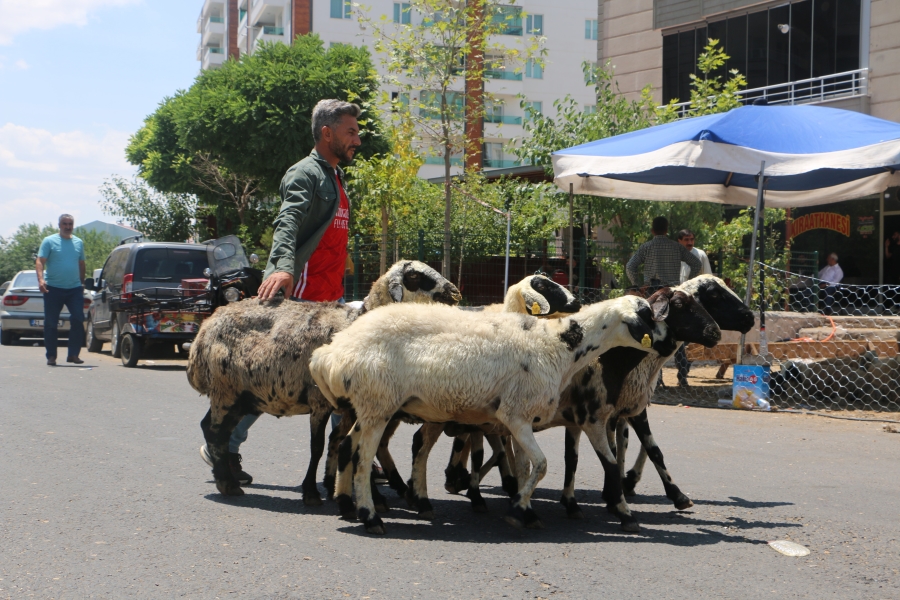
{"x": 763, "y": 404}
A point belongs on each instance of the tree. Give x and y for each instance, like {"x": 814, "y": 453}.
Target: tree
{"x": 19, "y": 251}
{"x": 431, "y": 58}
{"x": 161, "y": 216}
{"x": 709, "y": 94}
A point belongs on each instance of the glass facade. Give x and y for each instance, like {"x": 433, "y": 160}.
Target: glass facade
{"x": 791, "y": 42}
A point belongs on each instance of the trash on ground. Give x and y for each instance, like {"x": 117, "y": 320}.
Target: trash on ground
{"x": 891, "y": 429}
{"x": 86, "y": 369}
{"x": 789, "y": 548}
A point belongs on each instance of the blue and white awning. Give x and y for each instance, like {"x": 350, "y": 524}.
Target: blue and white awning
{"x": 813, "y": 155}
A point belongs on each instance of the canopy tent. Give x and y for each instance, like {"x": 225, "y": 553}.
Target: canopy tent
{"x": 788, "y": 156}
{"x": 813, "y": 155}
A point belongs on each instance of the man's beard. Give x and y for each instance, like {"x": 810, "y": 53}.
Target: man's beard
{"x": 343, "y": 154}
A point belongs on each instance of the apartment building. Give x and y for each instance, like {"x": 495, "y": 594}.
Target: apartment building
{"x": 570, "y": 30}
{"x": 840, "y": 53}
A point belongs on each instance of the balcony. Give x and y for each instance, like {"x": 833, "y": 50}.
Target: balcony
{"x": 213, "y": 34}
{"x": 493, "y": 163}
{"x": 503, "y": 74}
{"x": 267, "y": 13}
{"x": 270, "y": 30}
{"x": 212, "y": 58}
{"x": 838, "y": 88}
{"x": 504, "y": 119}
{"x": 208, "y": 7}
{"x": 455, "y": 161}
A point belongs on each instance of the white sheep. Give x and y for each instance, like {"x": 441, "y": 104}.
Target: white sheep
{"x": 439, "y": 364}
{"x": 253, "y": 357}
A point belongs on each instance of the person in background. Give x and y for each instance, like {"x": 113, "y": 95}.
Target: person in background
{"x": 309, "y": 246}
{"x": 832, "y": 274}
{"x": 662, "y": 259}
{"x": 62, "y": 255}
{"x": 686, "y": 238}
{"x": 892, "y": 259}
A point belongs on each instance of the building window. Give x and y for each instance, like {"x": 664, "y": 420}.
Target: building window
{"x": 534, "y": 24}
{"x": 508, "y": 19}
{"x": 590, "y": 29}
{"x": 430, "y": 105}
{"x": 590, "y": 109}
{"x": 340, "y": 9}
{"x": 536, "y": 107}
{"x": 402, "y": 13}
{"x": 822, "y": 38}
{"x": 400, "y": 101}
{"x": 534, "y": 69}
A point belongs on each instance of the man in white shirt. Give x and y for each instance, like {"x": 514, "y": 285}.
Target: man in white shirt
{"x": 831, "y": 274}
{"x": 686, "y": 238}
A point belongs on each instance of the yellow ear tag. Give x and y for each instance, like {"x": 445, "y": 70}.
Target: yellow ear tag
{"x": 535, "y": 309}
{"x": 646, "y": 342}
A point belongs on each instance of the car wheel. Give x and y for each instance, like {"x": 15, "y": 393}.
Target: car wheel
{"x": 91, "y": 341}
{"x": 6, "y": 338}
{"x": 114, "y": 339}
{"x": 131, "y": 350}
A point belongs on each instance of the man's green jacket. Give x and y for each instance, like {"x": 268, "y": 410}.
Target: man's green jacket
{"x": 309, "y": 201}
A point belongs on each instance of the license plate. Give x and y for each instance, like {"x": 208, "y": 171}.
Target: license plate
{"x": 40, "y": 323}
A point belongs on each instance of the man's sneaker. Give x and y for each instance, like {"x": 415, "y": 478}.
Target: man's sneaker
{"x": 204, "y": 454}
{"x": 378, "y": 474}
{"x": 234, "y": 462}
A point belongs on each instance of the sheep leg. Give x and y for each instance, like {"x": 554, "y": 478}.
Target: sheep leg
{"x": 387, "y": 461}
{"x": 621, "y": 445}
{"x": 456, "y": 478}
{"x": 368, "y": 436}
{"x": 642, "y": 428}
{"x": 573, "y": 437}
{"x": 417, "y": 486}
{"x": 346, "y": 467}
{"x": 474, "y": 491}
{"x": 520, "y": 512}
{"x": 318, "y": 420}
{"x": 634, "y": 474}
{"x": 217, "y": 426}
{"x": 501, "y": 456}
{"x": 334, "y": 441}
{"x": 612, "y": 486}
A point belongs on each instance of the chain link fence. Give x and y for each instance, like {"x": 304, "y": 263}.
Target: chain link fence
{"x": 830, "y": 346}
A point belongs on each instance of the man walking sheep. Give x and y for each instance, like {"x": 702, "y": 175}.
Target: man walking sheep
{"x": 60, "y": 275}
{"x": 661, "y": 258}
{"x": 686, "y": 238}
{"x": 309, "y": 246}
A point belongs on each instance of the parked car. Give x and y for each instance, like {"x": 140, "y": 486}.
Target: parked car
{"x": 22, "y": 310}
{"x": 131, "y": 268}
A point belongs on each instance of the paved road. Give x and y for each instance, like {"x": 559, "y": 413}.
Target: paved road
{"x": 103, "y": 494}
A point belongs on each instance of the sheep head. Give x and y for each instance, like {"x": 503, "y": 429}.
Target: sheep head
{"x": 720, "y": 302}
{"x": 411, "y": 281}
{"x": 539, "y": 296}
{"x": 686, "y": 318}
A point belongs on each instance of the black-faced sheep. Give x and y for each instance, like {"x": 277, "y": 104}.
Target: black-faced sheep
{"x": 440, "y": 364}
{"x": 253, "y": 357}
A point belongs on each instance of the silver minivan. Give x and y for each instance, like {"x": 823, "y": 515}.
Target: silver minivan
{"x": 22, "y": 310}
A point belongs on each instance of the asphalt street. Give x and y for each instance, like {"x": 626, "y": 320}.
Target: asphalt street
{"x": 103, "y": 495}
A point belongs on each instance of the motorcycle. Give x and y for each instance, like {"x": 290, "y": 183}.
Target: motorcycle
{"x": 230, "y": 273}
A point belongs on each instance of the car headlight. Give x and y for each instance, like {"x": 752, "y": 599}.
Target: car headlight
{"x": 232, "y": 294}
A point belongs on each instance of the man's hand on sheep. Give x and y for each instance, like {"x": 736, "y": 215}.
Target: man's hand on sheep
{"x": 279, "y": 280}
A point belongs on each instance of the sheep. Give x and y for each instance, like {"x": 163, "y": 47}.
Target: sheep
{"x": 609, "y": 379}
{"x": 253, "y": 357}
{"x": 439, "y": 364}
{"x": 730, "y": 314}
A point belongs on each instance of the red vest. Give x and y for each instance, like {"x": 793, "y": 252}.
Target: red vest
{"x": 322, "y": 279}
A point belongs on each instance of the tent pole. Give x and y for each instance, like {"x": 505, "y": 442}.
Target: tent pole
{"x": 571, "y": 233}
{"x": 506, "y": 265}
{"x": 763, "y": 346}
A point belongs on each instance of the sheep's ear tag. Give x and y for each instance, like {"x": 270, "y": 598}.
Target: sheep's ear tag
{"x": 535, "y": 309}
{"x": 646, "y": 342}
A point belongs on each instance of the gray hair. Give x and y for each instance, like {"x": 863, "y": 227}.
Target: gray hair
{"x": 328, "y": 113}
{"x": 63, "y": 216}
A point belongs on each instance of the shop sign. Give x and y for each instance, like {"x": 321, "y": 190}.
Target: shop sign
{"x": 865, "y": 226}
{"x": 821, "y": 220}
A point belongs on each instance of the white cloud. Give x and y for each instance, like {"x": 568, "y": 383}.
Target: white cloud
{"x": 44, "y": 174}
{"x": 20, "y": 16}
{"x": 21, "y": 64}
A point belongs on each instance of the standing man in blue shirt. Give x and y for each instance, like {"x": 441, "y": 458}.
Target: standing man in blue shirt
{"x": 62, "y": 255}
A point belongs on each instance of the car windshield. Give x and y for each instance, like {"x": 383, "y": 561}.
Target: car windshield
{"x": 169, "y": 264}
{"x": 25, "y": 280}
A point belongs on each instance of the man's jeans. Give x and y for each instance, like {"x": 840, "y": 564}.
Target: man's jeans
{"x": 54, "y": 300}
{"x": 240, "y": 433}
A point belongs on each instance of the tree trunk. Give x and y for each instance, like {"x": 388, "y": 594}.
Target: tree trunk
{"x": 384, "y": 236}
{"x": 445, "y": 267}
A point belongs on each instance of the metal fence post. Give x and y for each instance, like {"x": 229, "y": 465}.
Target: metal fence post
{"x": 582, "y": 259}
{"x": 421, "y": 246}
{"x": 356, "y": 267}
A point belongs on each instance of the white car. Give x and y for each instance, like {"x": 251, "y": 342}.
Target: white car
{"x": 22, "y": 310}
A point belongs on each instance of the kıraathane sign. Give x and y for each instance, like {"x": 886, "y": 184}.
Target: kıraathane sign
{"x": 821, "y": 220}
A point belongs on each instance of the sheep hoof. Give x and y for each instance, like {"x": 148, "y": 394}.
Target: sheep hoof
{"x": 381, "y": 507}
{"x": 310, "y": 500}
{"x": 373, "y": 524}
{"x": 573, "y": 511}
{"x": 532, "y": 521}
{"x": 427, "y": 515}
{"x": 329, "y": 484}
{"x": 411, "y": 499}
{"x": 629, "y": 493}
{"x": 631, "y": 526}
{"x": 515, "y": 516}
{"x": 683, "y": 503}
{"x": 346, "y": 508}
{"x": 510, "y": 485}
{"x": 479, "y": 507}
{"x": 513, "y": 521}
{"x": 376, "y": 528}
{"x": 229, "y": 488}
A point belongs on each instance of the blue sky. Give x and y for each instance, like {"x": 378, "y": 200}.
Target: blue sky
{"x": 77, "y": 78}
